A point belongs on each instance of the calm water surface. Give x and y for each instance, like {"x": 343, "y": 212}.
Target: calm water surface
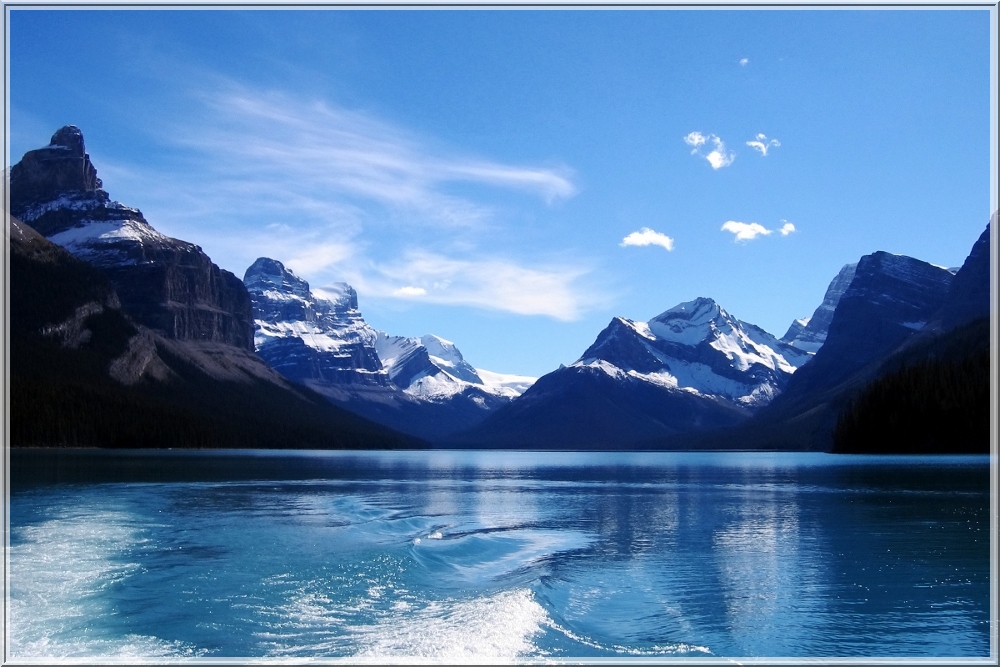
{"x": 496, "y": 556}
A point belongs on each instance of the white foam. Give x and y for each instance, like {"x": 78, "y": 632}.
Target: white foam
{"x": 59, "y": 570}
{"x": 484, "y": 630}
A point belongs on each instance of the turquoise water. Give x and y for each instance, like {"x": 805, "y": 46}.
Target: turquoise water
{"x": 496, "y": 556}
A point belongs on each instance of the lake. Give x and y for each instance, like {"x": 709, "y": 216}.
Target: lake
{"x": 464, "y": 556}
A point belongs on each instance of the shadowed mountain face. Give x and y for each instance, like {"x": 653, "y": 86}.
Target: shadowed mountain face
{"x": 85, "y": 374}
{"x": 969, "y": 295}
{"x": 690, "y": 368}
{"x": 165, "y": 284}
{"x": 890, "y": 298}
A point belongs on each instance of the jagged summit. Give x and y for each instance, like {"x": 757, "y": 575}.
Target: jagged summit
{"x": 697, "y": 347}
{"x": 270, "y": 274}
{"x": 166, "y": 284}
{"x": 63, "y": 168}
{"x": 69, "y": 137}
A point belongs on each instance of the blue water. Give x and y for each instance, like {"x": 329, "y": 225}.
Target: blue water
{"x": 496, "y": 556}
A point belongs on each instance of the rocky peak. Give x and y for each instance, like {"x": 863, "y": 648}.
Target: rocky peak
{"x": 61, "y": 168}
{"x": 900, "y": 282}
{"x": 281, "y": 296}
{"x": 166, "y": 284}
{"x": 69, "y": 137}
{"x": 267, "y": 274}
{"x": 691, "y": 322}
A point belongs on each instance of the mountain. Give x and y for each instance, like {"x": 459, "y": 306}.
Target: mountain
{"x": 932, "y": 394}
{"x": 809, "y": 334}
{"x": 969, "y": 294}
{"x": 891, "y": 316}
{"x": 318, "y": 338}
{"x": 692, "y": 367}
{"x": 167, "y": 285}
{"x": 84, "y": 373}
{"x": 305, "y": 337}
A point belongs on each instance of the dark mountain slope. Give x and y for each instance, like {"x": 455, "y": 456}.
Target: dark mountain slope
{"x": 933, "y": 397}
{"x": 83, "y": 373}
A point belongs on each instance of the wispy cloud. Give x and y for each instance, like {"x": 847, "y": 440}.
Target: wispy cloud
{"x": 744, "y": 62}
{"x": 718, "y": 157}
{"x": 483, "y": 282}
{"x": 328, "y": 154}
{"x": 339, "y": 194}
{"x": 747, "y": 231}
{"x": 647, "y": 236}
{"x": 762, "y": 144}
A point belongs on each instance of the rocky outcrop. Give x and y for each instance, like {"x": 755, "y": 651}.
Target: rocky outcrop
{"x": 166, "y": 284}
{"x": 306, "y": 337}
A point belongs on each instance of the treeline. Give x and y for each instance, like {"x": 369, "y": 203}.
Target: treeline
{"x": 936, "y": 399}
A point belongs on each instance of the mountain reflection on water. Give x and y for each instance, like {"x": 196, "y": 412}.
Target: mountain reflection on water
{"x": 496, "y": 556}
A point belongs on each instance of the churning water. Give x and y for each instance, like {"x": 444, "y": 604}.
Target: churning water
{"x": 495, "y": 556}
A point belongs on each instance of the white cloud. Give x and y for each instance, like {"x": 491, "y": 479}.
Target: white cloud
{"x": 744, "y": 61}
{"x": 694, "y": 139}
{"x": 647, "y": 236}
{"x": 745, "y": 231}
{"x": 763, "y": 144}
{"x": 489, "y": 283}
{"x": 718, "y": 157}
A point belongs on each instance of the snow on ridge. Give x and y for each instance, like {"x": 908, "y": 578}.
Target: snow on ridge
{"x": 87, "y": 238}
{"x": 86, "y": 201}
{"x": 505, "y": 384}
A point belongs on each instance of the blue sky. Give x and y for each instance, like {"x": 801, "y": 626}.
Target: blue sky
{"x": 490, "y": 176}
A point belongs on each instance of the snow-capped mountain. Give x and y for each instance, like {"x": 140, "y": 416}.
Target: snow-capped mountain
{"x": 319, "y": 338}
{"x": 700, "y": 348}
{"x": 305, "y": 337}
{"x": 692, "y": 367}
{"x": 166, "y": 284}
{"x": 809, "y": 333}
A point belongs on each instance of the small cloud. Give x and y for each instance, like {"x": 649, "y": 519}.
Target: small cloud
{"x": 647, "y": 236}
{"x": 763, "y": 144}
{"x": 410, "y": 291}
{"x": 718, "y": 158}
{"x": 786, "y": 228}
{"x": 745, "y": 231}
{"x": 694, "y": 139}
{"x": 744, "y": 62}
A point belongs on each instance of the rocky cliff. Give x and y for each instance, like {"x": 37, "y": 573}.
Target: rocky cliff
{"x": 165, "y": 284}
